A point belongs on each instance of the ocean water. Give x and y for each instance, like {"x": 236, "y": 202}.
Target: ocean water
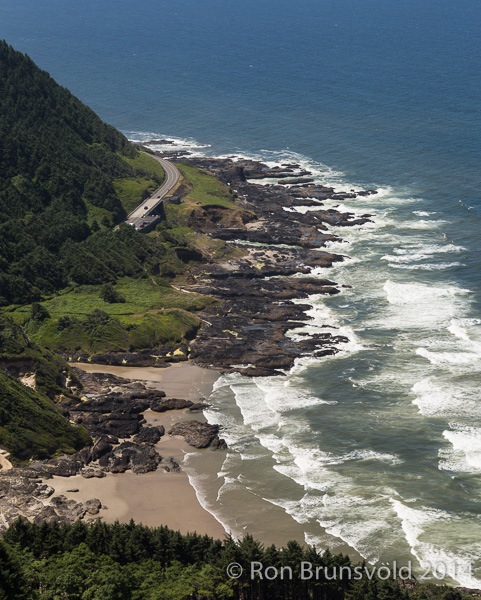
{"x": 378, "y": 449}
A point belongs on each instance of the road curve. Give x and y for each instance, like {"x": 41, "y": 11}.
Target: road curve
{"x": 147, "y": 207}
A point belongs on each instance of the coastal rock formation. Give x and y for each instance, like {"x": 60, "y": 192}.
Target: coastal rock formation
{"x": 170, "y": 404}
{"x": 199, "y": 435}
{"x": 34, "y": 500}
{"x": 149, "y": 435}
{"x": 140, "y": 458}
{"x": 258, "y": 291}
{"x": 262, "y": 290}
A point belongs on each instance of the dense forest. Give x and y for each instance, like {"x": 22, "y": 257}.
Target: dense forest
{"x": 133, "y": 562}
{"x": 59, "y": 164}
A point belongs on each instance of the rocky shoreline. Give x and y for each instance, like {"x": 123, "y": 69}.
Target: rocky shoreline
{"x": 278, "y": 249}
{"x": 111, "y": 409}
{"x": 259, "y": 297}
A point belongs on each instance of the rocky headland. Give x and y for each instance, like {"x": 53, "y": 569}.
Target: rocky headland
{"x": 278, "y": 248}
{"x": 261, "y": 291}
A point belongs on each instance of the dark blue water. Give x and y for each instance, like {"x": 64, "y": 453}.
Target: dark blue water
{"x": 379, "y": 448}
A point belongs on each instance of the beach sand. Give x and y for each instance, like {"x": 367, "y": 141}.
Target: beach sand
{"x": 156, "y": 498}
{"x": 180, "y": 380}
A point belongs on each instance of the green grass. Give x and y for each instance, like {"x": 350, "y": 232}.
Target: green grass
{"x": 148, "y": 164}
{"x": 96, "y": 213}
{"x": 206, "y": 190}
{"x": 167, "y": 326}
{"x": 141, "y": 295}
{"x": 154, "y": 313}
{"x": 204, "y": 193}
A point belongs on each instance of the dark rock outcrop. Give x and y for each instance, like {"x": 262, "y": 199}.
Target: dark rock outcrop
{"x": 149, "y": 435}
{"x": 199, "y": 435}
{"x": 170, "y": 404}
{"x": 140, "y": 458}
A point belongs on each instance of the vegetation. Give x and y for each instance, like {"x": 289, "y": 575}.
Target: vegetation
{"x": 65, "y": 180}
{"x": 133, "y": 562}
{"x": 76, "y": 282}
{"x": 16, "y": 348}
{"x": 31, "y": 425}
{"x": 205, "y": 198}
{"x": 111, "y": 295}
{"x": 206, "y": 191}
{"x": 133, "y": 190}
{"x": 99, "y": 332}
{"x": 146, "y": 313}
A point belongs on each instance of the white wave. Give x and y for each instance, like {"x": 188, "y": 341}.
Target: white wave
{"x": 178, "y": 142}
{"x": 420, "y": 524}
{"x": 448, "y": 358}
{"x": 424, "y": 224}
{"x": 418, "y": 252}
{"x": 426, "y": 267}
{"x": 423, "y": 213}
{"x": 368, "y": 455}
{"x": 301, "y": 510}
{"x": 323, "y": 320}
{"x": 437, "y": 397}
{"x": 465, "y": 455}
{"x": 281, "y": 396}
{"x": 423, "y": 305}
{"x": 466, "y": 330}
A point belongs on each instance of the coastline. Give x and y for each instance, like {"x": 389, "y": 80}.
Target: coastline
{"x": 155, "y": 498}
{"x": 256, "y": 329}
{"x": 266, "y": 293}
{"x": 189, "y": 500}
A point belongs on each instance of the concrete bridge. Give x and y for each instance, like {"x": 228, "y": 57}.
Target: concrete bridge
{"x": 145, "y": 216}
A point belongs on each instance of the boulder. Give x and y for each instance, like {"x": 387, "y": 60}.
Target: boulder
{"x": 170, "y": 404}
{"x": 198, "y": 434}
{"x": 149, "y": 435}
{"x": 140, "y": 458}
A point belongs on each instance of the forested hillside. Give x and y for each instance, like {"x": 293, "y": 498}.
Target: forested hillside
{"x": 64, "y": 177}
{"x": 132, "y": 562}
{"x": 72, "y": 279}
{"x": 31, "y": 424}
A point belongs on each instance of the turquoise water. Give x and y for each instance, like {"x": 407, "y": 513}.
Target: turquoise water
{"x": 379, "y": 447}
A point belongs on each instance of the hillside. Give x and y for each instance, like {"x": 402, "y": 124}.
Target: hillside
{"x": 73, "y": 278}
{"x": 31, "y": 425}
{"x": 65, "y": 179}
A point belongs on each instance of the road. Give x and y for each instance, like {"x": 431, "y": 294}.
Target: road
{"x": 141, "y": 215}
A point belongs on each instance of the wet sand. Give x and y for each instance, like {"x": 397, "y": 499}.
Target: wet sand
{"x": 156, "y": 498}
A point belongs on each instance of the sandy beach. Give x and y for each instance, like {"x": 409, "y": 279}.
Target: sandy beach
{"x": 156, "y": 498}
{"x": 180, "y": 380}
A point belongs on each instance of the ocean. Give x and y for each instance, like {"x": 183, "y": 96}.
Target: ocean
{"x": 377, "y": 450}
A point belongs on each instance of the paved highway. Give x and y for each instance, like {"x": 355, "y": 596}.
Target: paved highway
{"x": 144, "y": 210}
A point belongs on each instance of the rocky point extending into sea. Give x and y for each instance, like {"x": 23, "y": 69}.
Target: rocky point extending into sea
{"x": 257, "y": 297}
{"x": 245, "y": 331}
